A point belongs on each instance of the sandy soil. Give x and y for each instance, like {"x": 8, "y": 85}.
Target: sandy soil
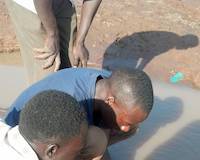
{"x": 159, "y": 36}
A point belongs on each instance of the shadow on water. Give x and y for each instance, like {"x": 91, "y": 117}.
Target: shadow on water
{"x": 159, "y": 116}
{"x": 138, "y": 49}
{"x": 185, "y": 145}
{"x": 164, "y": 112}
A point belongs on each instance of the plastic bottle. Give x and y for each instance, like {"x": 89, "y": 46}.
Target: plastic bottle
{"x": 177, "y": 77}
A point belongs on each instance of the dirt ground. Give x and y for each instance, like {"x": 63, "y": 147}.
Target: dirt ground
{"x": 159, "y": 36}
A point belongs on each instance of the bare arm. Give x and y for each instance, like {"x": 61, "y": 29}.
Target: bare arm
{"x": 88, "y": 12}
{"x": 45, "y": 12}
{"x": 51, "y": 50}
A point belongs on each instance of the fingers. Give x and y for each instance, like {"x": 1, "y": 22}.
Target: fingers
{"x": 42, "y": 54}
{"x": 81, "y": 55}
{"x": 49, "y": 56}
{"x": 41, "y": 50}
{"x": 84, "y": 63}
{"x": 49, "y": 62}
{"x": 79, "y": 63}
{"x": 57, "y": 63}
{"x": 76, "y": 62}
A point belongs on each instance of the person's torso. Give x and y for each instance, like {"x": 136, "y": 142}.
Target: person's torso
{"x": 79, "y": 83}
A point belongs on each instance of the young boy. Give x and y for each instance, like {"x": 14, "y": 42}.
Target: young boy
{"x": 116, "y": 102}
{"x": 52, "y": 125}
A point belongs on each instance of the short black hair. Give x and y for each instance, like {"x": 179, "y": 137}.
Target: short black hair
{"x": 51, "y": 115}
{"x": 133, "y": 87}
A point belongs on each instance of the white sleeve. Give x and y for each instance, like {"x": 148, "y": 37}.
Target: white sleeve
{"x": 28, "y": 4}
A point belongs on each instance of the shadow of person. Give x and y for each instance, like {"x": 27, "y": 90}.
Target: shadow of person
{"x": 138, "y": 49}
{"x": 164, "y": 112}
{"x": 184, "y": 145}
{"x": 100, "y": 114}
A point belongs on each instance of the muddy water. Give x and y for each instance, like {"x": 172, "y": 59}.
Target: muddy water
{"x": 171, "y": 132}
{"x": 12, "y": 82}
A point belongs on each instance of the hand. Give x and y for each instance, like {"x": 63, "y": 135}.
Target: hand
{"x": 50, "y": 53}
{"x": 81, "y": 55}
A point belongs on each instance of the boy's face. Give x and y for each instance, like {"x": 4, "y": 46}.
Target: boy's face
{"x": 71, "y": 150}
{"x": 62, "y": 150}
{"x": 128, "y": 118}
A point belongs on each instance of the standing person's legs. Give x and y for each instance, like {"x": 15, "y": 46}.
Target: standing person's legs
{"x": 31, "y": 34}
{"x": 67, "y": 25}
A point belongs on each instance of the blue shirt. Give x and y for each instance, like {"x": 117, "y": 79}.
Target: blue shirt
{"x": 77, "y": 82}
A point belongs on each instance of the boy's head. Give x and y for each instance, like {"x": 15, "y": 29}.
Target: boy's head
{"x": 130, "y": 97}
{"x": 54, "y": 125}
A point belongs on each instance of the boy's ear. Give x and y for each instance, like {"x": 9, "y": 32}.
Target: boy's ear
{"x": 51, "y": 150}
{"x": 110, "y": 100}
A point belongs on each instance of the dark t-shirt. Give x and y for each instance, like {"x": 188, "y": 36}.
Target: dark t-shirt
{"x": 77, "y": 82}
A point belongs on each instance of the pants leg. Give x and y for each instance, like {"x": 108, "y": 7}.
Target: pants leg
{"x": 66, "y": 22}
{"x": 31, "y": 34}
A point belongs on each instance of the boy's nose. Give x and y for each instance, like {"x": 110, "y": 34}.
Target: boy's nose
{"x": 125, "y": 128}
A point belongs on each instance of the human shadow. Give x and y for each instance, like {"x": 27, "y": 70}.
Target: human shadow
{"x": 138, "y": 49}
{"x": 184, "y": 145}
{"x": 100, "y": 114}
{"x": 164, "y": 112}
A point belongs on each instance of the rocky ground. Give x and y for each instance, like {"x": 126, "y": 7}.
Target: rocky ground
{"x": 159, "y": 36}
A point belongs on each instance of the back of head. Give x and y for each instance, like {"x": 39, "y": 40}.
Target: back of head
{"x": 51, "y": 115}
{"x": 133, "y": 87}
